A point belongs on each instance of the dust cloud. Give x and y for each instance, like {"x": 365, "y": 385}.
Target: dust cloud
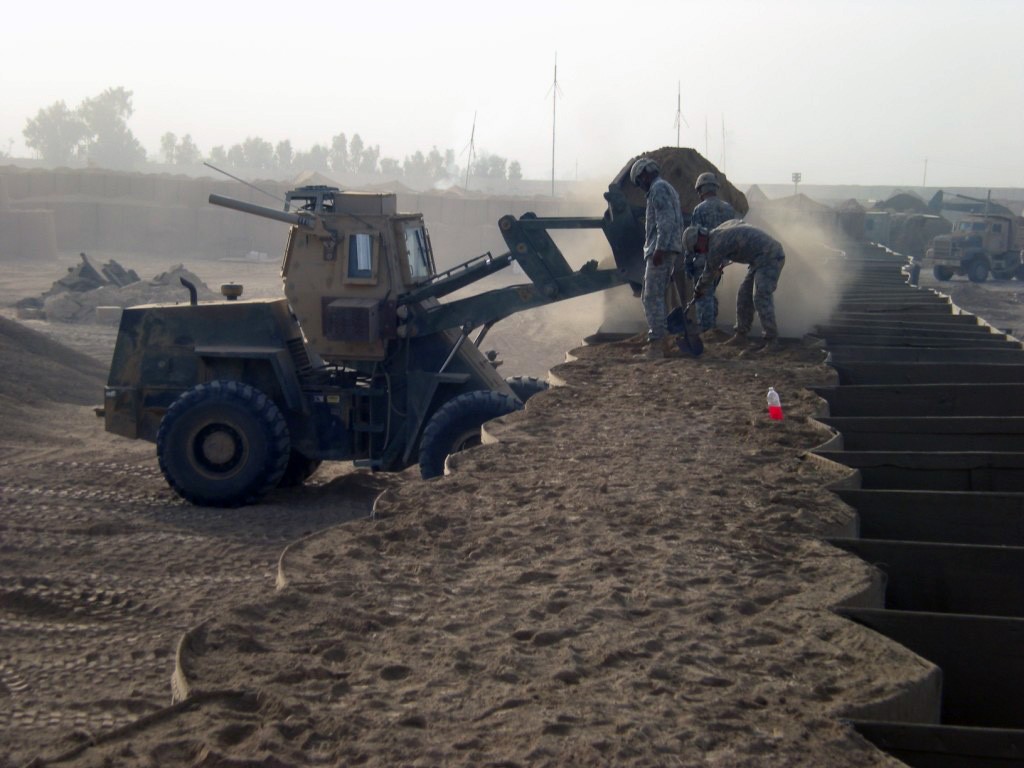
{"x": 811, "y": 282}
{"x": 808, "y": 291}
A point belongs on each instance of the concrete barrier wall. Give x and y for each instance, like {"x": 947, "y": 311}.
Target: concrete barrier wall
{"x": 164, "y": 215}
{"x": 27, "y": 235}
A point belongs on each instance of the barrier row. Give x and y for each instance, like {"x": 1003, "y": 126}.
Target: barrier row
{"x": 929, "y": 412}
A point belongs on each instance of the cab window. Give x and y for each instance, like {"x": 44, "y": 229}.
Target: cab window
{"x": 360, "y": 255}
{"x": 417, "y": 251}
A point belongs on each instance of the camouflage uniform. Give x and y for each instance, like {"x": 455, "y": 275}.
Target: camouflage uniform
{"x": 664, "y": 225}
{"x": 742, "y": 243}
{"x": 708, "y": 214}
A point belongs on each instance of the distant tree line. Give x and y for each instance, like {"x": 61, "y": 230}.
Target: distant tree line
{"x": 97, "y": 132}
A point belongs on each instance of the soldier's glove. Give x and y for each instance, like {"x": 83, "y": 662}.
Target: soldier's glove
{"x": 688, "y": 266}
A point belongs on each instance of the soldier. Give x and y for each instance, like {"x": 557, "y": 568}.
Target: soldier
{"x": 709, "y": 213}
{"x": 742, "y": 243}
{"x": 662, "y": 247}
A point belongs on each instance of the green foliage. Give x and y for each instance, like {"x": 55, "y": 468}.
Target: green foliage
{"x": 168, "y": 144}
{"x": 284, "y": 155}
{"x": 108, "y": 142}
{"x": 355, "y": 152}
{"x": 55, "y": 133}
{"x": 183, "y": 152}
{"x": 318, "y": 158}
{"x": 218, "y": 155}
{"x": 187, "y": 152}
{"x": 390, "y": 167}
{"x": 368, "y": 160}
{"x": 339, "y": 158}
{"x": 97, "y": 131}
{"x": 489, "y": 166}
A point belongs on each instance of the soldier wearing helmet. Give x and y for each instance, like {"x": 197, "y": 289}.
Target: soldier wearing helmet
{"x": 736, "y": 241}
{"x": 709, "y": 213}
{"x": 662, "y": 247}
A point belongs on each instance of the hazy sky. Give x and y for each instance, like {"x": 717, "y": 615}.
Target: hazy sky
{"x": 843, "y": 92}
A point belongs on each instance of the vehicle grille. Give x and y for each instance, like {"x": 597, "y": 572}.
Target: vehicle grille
{"x": 297, "y": 349}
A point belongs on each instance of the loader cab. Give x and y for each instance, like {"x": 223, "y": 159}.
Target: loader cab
{"x": 342, "y": 287}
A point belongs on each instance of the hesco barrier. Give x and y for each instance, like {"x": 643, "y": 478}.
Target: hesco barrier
{"x": 929, "y": 411}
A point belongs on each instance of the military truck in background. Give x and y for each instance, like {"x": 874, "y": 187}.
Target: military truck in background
{"x": 981, "y": 244}
{"x": 359, "y": 362}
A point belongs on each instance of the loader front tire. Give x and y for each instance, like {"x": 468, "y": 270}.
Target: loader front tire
{"x": 456, "y": 426}
{"x": 223, "y": 444}
{"x": 300, "y": 468}
{"x": 525, "y": 387}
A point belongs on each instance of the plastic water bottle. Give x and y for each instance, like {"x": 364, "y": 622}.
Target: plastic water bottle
{"x": 774, "y": 404}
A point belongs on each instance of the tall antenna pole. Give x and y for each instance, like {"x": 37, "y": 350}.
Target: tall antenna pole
{"x": 723, "y": 142}
{"x": 679, "y": 108}
{"x": 554, "y": 113}
{"x": 924, "y": 181}
{"x": 680, "y": 120}
{"x": 471, "y": 146}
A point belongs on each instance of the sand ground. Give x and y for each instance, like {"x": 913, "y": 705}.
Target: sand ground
{"x": 635, "y": 574}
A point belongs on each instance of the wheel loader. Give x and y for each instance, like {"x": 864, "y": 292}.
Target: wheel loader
{"x": 360, "y": 361}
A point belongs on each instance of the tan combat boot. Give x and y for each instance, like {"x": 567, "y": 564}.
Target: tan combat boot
{"x": 714, "y": 336}
{"x": 737, "y": 340}
{"x": 650, "y": 351}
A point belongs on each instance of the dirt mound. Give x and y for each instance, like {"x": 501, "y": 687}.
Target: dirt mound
{"x": 38, "y": 370}
{"x": 624, "y": 579}
{"x": 40, "y": 379}
{"x": 798, "y": 203}
{"x": 902, "y": 202}
{"x": 680, "y": 167}
{"x": 165, "y": 288}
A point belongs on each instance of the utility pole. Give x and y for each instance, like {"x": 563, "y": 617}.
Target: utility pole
{"x": 924, "y": 181}
{"x": 797, "y": 177}
{"x": 554, "y": 91}
{"x": 471, "y": 147}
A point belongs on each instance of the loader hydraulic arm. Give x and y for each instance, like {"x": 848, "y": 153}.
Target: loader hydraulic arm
{"x": 530, "y": 245}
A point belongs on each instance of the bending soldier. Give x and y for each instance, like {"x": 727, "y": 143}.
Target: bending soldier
{"x": 709, "y": 213}
{"x": 735, "y": 241}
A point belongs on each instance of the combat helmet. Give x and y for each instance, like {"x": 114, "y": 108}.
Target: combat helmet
{"x": 642, "y": 165}
{"x": 706, "y": 179}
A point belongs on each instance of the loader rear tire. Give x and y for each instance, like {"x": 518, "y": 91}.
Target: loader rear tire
{"x": 942, "y": 274}
{"x": 223, "y": 444}
{"x": 525, "y": 387}
{"x": 300, "y": 468}
{"x": 456, "y": 426}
